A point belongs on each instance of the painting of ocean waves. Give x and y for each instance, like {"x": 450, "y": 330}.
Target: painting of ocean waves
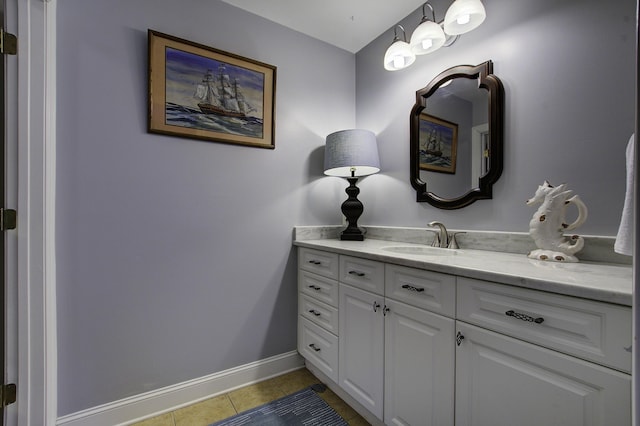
{"x": 432, "y": 160}
{"x": 183, "y": 116}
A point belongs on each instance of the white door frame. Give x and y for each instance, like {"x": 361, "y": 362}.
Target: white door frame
{"x": 635, "y": 369}
{"x": 31, "y": 156}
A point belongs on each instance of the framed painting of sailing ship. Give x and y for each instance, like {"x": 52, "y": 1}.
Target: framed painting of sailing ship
{"x": 438, "y": 144}
{"x": 197, "y": 91}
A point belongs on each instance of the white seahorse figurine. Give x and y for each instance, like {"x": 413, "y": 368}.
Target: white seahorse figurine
{"x": 548, "y": 225}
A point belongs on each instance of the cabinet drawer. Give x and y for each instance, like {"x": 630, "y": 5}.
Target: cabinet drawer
{"x": 433, "y": 291}
{"x": 596, "y": 331}
{"x": 319, "y": 347}
{"x": 319, "y": 313}
{"x": 362, "y": 273}
{"x": 321, "y": 288}
{"x": 319, "y": 262}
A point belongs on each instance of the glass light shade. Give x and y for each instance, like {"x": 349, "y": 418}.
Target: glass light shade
{"x": 398, "y": 56}
{"x": 353, "y": 149}
{"x": 427, "y": 38}
{"x": 464, "y": 16}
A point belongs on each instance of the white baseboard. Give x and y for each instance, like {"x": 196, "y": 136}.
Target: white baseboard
{"x": 150, "y": 404}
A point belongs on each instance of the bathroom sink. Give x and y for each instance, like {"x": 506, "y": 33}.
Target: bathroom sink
{"x": 420, "y": 250}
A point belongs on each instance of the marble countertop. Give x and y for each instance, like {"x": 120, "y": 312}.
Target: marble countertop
{"x": 597, "y": 281}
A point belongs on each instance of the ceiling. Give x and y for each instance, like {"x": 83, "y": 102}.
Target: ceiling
{"x": 348, "y": 24}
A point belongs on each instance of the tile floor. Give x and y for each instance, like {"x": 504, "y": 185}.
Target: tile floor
{"x": 222, "y": 406}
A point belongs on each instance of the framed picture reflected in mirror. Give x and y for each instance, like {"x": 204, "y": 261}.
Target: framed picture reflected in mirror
{"x": 438, "y": 144}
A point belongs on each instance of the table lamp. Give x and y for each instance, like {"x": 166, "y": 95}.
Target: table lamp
{"x": 351, "y": 153}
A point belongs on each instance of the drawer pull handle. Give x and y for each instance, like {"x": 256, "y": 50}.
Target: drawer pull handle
{"x": 314, "y": 312}
{"x": 315, "y": 287}
{"x": 314, "y": 347}
{"x": 315, "y": 262}
{"x": 412, "y": 288}
{"x": 359, "y": 274}
{"x": 524, "y": 317}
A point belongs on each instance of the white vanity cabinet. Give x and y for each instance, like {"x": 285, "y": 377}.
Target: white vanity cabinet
{"x": 361, "y": 341}
{"x": 419, "y": 367}
{"x": 418, "y": 347}
{"x": 318, "y": 309}
{"x": 510, "y": 373}
{"x": 397, "y": 360}
{"x": 361, "y": 347}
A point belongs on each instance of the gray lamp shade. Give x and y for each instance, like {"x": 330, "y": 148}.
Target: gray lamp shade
{"x": 351, "y": 150}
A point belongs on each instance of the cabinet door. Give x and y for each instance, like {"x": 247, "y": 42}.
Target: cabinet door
{"x": 361, "y": 347}
{"x": 419, "y": 367}
{"x": 502, "y": 381}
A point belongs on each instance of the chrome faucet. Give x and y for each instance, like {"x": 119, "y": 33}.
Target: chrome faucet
{"x": 442, "y": 237}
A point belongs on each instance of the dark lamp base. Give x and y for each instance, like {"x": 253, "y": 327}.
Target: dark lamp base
{"x": 352, "y": 236}
{"x": 352, "y": 209}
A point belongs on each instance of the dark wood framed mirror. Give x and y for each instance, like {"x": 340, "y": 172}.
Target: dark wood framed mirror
{"x": 456, "y": 136}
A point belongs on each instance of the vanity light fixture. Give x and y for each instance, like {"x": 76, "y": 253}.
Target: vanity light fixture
{"x": 429, "y": 36}
{"x": 461, "y": 17}
{"x": 464, "y": 16}
{"x": 351, "y": 153}
{"x": 399, "y": 54}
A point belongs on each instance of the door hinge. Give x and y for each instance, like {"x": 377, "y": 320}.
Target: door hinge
{"x": 8, "y": 394}
{"x": 8, "y": 219}
{"x": 8, "y": 43}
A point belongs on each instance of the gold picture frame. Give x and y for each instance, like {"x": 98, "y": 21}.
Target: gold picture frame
{"x": 196, "y": 91}
{"x": 438, "y": 144}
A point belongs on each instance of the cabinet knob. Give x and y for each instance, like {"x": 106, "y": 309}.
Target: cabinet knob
{"x": 459, "y": 338}
{"x": 376, "y": 305}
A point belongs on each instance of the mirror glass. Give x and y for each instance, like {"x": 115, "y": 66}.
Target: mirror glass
{"x": 456, "y": 132}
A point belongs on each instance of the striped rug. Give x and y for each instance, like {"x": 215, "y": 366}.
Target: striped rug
{"x": 301, "y": 408}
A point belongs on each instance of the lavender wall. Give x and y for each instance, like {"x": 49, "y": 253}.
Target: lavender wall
{"x": 174, "y": 255}
{"x": 568, "y": 72}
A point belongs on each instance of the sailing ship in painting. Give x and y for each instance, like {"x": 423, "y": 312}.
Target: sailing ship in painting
{"x": 433, "y": 144}
{"x": 438, "y": 142}
{"x": 219, "y": 95}
{"x": 215, "y": 96}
